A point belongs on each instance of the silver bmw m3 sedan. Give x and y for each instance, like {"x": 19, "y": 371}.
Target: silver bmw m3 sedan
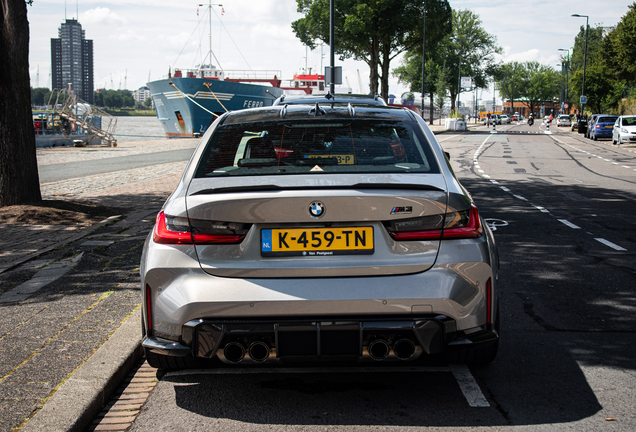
{"x": 319, "y": 229}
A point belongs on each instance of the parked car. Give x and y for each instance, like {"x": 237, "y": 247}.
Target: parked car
{"x": 590, "y": 124}
{"x": 603, "y": 126}
{"x": 505, "y": 119}
{"x": 324, "y": 231}
{"x": 624, "y": 129}
{"x": 563, "y": 120}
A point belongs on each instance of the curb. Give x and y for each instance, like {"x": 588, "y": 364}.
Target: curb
{"x": 71, "y": 239}
{"x": 81, "y": 398}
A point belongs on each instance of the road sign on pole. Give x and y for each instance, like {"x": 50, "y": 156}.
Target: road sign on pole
{"x": 566, "y": 106}
{"x": 583, "y": 99}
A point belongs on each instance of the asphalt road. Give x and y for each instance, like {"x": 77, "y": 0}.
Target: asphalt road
{"x": 564, "y": 209}
{"x": 65, "y": 171}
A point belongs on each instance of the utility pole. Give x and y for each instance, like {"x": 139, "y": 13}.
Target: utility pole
{"x": 424, "y": 60}
{"x": 332, "y": 44}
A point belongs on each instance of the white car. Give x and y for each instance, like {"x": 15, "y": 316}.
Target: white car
{"x": 624, "y": 129}
{"x": 504, "y": 119}
{"x": 564, "y": 120}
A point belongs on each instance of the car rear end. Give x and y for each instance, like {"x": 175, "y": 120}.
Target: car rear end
{"x": 604, "y": 126}
{"x": 310, "y": 233}
{"x": 564, "y": 120}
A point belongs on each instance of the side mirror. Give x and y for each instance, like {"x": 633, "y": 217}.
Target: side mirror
{"x": 447, "y": 155}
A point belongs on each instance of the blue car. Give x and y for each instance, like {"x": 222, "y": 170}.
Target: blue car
{"x": 603, "y": 127}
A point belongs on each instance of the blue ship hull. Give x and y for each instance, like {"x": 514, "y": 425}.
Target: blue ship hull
{"x": 185, "y": 105}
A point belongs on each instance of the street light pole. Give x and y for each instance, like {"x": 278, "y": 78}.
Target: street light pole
{"x": 459, "y": 78}
{"x": 567, "y": 77}
{"x": 587, "y": 29}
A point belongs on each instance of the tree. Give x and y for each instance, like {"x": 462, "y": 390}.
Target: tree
{"x": 19, "y": 181}
{"x": 477, "y": 48}
{"x": 619, "y": 47}
{"x": 440, "y": 89}
{"x": 511, "y": 79}
{"x": 371, "y": 31}
{"x": 540, "y": 84}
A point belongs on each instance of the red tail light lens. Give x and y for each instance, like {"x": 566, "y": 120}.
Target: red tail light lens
{"x": 177, "y": 230}
{"x": 171, "y": 233}
{"x": 454, "y": 225}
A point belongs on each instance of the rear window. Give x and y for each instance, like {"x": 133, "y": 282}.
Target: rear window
{"x": 564, "y": 117}
{"x": 629, "y": 121}
{"x": 329, "y": 147}
{"x": 607, "y": 119}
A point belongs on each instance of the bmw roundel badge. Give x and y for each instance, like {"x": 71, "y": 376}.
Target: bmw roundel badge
{"x": 317, "y": 209}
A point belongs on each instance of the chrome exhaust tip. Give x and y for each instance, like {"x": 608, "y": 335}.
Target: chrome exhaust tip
{"x": 379, "y": 349}
{"x": 259, "y": 351}
{"x": 404, "y": 349}
{"x": 234, "y": 352}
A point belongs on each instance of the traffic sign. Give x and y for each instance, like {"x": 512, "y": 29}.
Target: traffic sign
{"x": 566, "y": 106}
{"x": 583, "y": 99}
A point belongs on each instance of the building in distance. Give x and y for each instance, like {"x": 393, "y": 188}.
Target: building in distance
{"x": 72, "y": 61}
{"x": 141, "y": 95}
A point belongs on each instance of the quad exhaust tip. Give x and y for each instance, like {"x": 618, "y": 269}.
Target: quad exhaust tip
{"x": 404, "y": 349}
{"x": 379, "y": 349}
{"x": 234, "y": 352}
{"x": 259, "y": 351}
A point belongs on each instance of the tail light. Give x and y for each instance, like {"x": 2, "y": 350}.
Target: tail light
{"x": 454, "y": 225}
{"x": 598, "y": 126}
{"x": 178, "y": 230}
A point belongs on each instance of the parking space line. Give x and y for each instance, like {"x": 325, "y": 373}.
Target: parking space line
{"x": 469, "y": 386}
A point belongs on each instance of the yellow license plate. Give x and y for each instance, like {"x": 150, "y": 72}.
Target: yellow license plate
{"x": 317, "y": 241}
{"x": 342, "y": 159}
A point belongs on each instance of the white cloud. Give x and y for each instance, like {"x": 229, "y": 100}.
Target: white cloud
{"x": 102, "y": 16}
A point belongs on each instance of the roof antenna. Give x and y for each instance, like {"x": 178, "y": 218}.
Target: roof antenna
{"x": 317, "y": 111}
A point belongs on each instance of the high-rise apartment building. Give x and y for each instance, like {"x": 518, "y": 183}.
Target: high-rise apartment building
{"x": 72, "y": 60}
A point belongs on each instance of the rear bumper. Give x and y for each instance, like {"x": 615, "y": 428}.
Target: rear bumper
{"x": 258, "y": 342}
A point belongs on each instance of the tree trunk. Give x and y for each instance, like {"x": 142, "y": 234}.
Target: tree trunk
{"x": 19, "y": 181}
{"x": 431, "y": 108}
{"x": 374, "y": 57}
{"x": 384, "y": 78}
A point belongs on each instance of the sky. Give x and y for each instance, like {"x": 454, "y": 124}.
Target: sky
{"x": 137, "y": 39}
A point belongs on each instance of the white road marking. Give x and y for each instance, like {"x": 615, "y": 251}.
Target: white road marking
{"x": 520, "y": 197}
{"x": 625, "y": 166}
{"x": 466, "y": 381}
{"x": 610, "y": 244}
{"x": 452, "y": 136}
{"x": 568, "y": 223}
{"x": 469, "y": 386}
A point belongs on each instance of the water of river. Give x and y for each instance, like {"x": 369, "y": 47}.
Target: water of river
{"x": 138, "y": 129}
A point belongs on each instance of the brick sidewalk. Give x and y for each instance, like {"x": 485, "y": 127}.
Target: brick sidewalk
{"x": 140, "y": 188}
{"x": 65, "y": 289}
